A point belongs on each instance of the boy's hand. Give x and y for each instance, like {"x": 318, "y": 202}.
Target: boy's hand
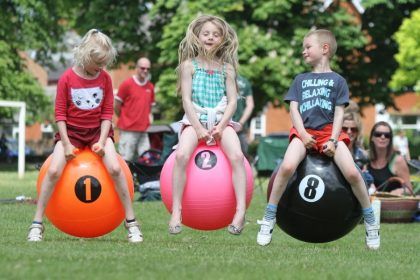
{"x": 70, "y": 152}
{"x": 98, "y": 148}
{"x": 328, "y": 149}
{"x": 308, "y": 140}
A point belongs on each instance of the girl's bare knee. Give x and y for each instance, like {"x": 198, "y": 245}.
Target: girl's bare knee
{"x": 54, "y": 173}
{"x": 114, "y": 170}
{"x": 237, "y": 157}
{"x": 181, "y": 159}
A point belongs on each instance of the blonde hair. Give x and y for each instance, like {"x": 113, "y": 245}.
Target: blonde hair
{"x": 191, "y": 47}
{"x": 95, "y": 46}
{"x": 355, "y": 116}
{"x": 352, "y": 107}
{"x": 325, "y": 36}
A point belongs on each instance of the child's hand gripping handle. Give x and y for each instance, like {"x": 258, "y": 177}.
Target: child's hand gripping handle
{"x": 98, "y": 149}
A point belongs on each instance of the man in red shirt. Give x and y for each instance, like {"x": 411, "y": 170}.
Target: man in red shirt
{"x": 133, "y": 104}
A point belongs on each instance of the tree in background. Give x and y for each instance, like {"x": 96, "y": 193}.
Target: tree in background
{"x": 407, "y": 75}
{"x": 372, "y": 66}
{"x": 134, "y": 32}
{"x": 270, "y": 34}
{"x": 27, "y": 25}
{"x": 126, "y": 22}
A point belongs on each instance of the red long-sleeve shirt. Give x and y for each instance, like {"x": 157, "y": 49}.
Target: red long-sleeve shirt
{"x": 84, "y": 103}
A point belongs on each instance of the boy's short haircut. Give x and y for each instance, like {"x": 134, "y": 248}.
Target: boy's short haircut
{"x": 325, "y": 36}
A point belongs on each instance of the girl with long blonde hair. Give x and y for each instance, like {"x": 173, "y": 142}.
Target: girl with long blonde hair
{"x": 207, "y": 83}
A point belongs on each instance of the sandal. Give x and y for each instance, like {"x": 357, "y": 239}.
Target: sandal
{"x": 175, "y": 229}
{"x": 236, "y": 230}
{"x": 232, "y": 229}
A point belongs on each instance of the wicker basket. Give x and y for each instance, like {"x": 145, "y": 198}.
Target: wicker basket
{"x": 397, "y": 209}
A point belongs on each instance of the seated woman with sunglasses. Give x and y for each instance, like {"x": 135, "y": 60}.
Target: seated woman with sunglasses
{"x": 388, "y": 168}
{"x": 352, "y": 125}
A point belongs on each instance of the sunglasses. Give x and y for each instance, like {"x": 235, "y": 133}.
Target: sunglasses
{"x": 144, "y": 68}
{"x": 380, "y": 134}
{"x": 352, "y": 129}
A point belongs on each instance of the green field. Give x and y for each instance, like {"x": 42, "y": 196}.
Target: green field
{"x": 193, "y": 254}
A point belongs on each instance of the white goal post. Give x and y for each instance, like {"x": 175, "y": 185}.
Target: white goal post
{"x": 21, "y": 141}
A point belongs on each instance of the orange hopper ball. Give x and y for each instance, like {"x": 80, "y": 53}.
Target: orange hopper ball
{"x": 84, "y": 202}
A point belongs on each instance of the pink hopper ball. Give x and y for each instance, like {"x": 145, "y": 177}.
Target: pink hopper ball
{"x": 209, "y": 201}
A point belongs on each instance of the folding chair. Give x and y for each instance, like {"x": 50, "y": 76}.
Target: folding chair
{"x": 146, "y": 172}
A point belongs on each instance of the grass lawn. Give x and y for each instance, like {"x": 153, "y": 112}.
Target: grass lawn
{"x": 193, "y": 254}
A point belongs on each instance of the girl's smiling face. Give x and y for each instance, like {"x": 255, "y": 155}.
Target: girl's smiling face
{"x": 210, "y": 36}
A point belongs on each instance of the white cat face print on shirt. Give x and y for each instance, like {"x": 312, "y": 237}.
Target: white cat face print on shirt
{"x": 87, "y": 98}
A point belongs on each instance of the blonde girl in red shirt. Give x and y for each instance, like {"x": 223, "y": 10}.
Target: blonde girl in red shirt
{"x": 83, "y": 113}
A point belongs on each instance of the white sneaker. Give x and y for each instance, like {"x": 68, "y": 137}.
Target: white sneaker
{"x": 266, "y": 231}
{"x": 134, "y": 234}
{"x": 35, "y": 232}
{"x": 373, "y": 240}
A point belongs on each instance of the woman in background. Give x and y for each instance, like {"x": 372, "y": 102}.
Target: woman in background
{"x": 389, "y": 169}
{"x": 352, "y": 125}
